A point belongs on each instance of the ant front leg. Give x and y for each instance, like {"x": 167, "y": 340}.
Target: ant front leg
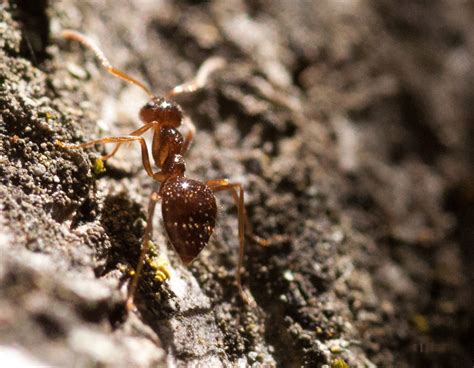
{"x": 143, "y": 129}
{"x": 120, "y": 139}
{"x": 154, "y": 198}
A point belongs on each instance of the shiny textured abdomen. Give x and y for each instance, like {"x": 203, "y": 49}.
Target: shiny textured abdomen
{"x": 189, "y": 214}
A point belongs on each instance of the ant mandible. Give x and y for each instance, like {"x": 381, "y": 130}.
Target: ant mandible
{"x": 188, "y": 206}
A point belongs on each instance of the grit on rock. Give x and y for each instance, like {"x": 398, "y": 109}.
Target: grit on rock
{"x": 350, "y": 125}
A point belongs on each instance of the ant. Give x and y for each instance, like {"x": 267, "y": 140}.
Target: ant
{"x": 189, "y": 207}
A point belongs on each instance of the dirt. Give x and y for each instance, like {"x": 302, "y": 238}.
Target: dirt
{"x": 350, "y": 125}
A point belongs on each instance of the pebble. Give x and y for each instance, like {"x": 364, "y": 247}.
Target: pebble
{"x": 288, "y": 275}
{"x": 38, "y": 170}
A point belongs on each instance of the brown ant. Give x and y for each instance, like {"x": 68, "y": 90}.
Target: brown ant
{"x": 188, "y": 206}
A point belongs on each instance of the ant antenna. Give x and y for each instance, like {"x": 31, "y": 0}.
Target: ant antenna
{"x": 79, "y": 37}
{"x": 205, "y": 70}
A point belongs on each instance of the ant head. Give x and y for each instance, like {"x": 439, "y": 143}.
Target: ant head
{"x": 174, "y": 165}
{"x": 165, "y": 112}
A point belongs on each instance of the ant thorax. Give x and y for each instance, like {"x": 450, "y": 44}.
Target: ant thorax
{"x": 169, "y": 142}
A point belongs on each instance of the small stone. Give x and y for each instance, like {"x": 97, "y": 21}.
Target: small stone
{"x": 288, "y": 275}
{"x": 335, "y": 349}
{"x": 252, "y": 356}
{"x": 76, "y": 71}
{"x": 38, "y": 170}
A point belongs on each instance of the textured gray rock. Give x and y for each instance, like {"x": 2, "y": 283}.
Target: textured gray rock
{"x": 350, "y": 126}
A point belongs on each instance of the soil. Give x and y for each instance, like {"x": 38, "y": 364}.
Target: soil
{"x": 350, "y": 125}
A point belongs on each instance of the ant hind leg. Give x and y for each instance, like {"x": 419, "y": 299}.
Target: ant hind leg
{"x": 244, "y": 227}
{"x": 224, "y": 184}
{"x": 154, "y": 198}
{"x": 238, "y": 195}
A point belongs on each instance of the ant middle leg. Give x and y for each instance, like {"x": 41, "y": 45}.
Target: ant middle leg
{"x": 119, "y": 139}
{"x": 154, "y": 198}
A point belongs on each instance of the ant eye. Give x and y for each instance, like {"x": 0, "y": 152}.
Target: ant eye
{"x": 150, "y": 104}
{"x": 148, "y": 112}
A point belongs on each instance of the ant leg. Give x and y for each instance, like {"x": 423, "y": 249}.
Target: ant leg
{"x": 238, "y": 195}
{"x": 137, "y": 132}
{"x": 191, "y": 130}
{"x": 263, "y": 242}
{"x": 154, "y": 198}
{"x": 120, "y": 139}
{"x": 199, "y": 81}
{"x": 244, "y": 226}
{"x": 85, "y": 41}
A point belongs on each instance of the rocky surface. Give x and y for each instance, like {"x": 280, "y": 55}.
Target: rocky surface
{"x": 350, "y": 124}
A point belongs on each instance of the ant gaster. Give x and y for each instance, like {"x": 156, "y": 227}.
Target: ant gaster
{"x": 188, "y": 206}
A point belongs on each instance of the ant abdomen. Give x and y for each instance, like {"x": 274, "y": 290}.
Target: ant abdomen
{"x": 189, "y": 215}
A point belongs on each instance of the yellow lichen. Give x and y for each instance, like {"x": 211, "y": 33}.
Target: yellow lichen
{"x": 339, "y": 363}
{"x": 99, "y": 167}
{"x": 152, "y": 250}
{"x": 335, "y": 349}
{"x": 161, "y": 268}
{"x": 126, "y": 269}
{"x": 421, "y": 323}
